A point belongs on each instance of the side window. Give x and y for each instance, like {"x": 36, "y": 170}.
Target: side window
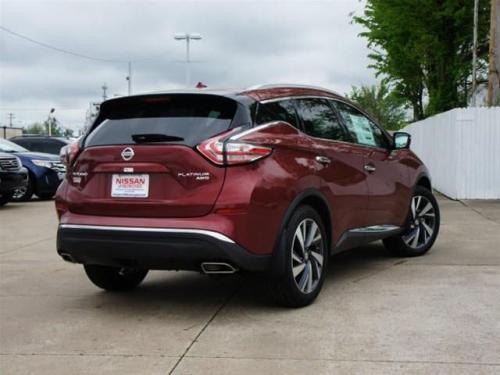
{"x": 53, "y": 147}
{"x": 319, "y": 119}
{"x": 38, "y": 145}
{"x": 282, "y": 110}
{"x": 361, "y": 128}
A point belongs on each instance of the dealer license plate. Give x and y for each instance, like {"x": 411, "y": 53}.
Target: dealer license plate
{"x": 130, "y": 186}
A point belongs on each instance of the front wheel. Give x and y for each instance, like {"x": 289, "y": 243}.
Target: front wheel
{"x": 24, "y": 193}
{"x": 421, "y": 228}
{"x": 114, "y": 278}
{"x": 304, "y": 244}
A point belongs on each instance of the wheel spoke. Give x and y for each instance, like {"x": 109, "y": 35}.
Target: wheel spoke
{"x": 297, "y": 270}
{"x": 413, "y": 209}
{"x": 425, "y": 209}
{"x": 427, "y": 228}
{"x": 414, "y": 243}
{"x": 410, "y": 237}
{"x": 300, "y": 237}
{"x": 309, "y": 277}
{"x": 317, "y": 257}
{"x": 303, "y": 279}
{"x": 313, "y": 229}
{"x": 295, "y": 257}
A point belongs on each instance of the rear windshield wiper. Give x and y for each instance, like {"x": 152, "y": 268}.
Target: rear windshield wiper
{"x": 152, "y": 137}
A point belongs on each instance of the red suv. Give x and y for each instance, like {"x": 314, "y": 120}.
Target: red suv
{"x": 272, "y": 179}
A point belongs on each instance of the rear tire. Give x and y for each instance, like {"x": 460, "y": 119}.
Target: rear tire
{"x": 305, "y": 247}
{"x": 114, "y": 278}
{"x": 421, "y": 229}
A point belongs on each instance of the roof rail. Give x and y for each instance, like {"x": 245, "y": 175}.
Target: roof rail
{"x": 288, "y": 85}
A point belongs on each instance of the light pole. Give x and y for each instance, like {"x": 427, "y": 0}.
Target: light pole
{"x": 49, "y": 121}
{"x": 129, "y": 78}
{"x": 187, "y": 37}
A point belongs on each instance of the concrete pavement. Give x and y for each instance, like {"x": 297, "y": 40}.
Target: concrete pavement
{"x": 376, "y": 314}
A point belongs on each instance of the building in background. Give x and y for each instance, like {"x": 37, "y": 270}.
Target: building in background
{"x": 8, "y": 132}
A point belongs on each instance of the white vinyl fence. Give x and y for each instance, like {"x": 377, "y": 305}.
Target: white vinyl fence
{"x": 461, "y": 148}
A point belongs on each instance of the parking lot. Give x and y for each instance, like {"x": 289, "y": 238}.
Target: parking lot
{"x": 376, "y": 314}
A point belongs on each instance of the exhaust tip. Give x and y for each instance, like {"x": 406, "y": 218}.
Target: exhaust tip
{"x": 217, "y": 268}
{"x": 67, "y": 257}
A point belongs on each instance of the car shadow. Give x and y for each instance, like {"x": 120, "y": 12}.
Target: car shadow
{"x": 172, "y": 290}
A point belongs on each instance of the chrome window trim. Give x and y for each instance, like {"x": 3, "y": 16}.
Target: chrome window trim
{"x": 257, "y": 128}
{"x": 209, "y": 233}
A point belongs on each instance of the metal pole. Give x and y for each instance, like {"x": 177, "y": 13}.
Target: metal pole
{"x": 474, "y": 54}
{"x": 129, "y": 78}
{"x": 11, "y": 117}
{"x": 188, "y": 73}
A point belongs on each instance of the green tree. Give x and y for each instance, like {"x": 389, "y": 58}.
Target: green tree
{"x": 381, "y": 103}
{"x": 423, "y": 47}
{"x": 42, "y": 128}
{"x": 35, "y": 128}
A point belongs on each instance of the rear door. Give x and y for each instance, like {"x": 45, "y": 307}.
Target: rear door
{"x": 340, "y": 164}
{"x": 386, "y": 176}
{"x": 140, "y": 158}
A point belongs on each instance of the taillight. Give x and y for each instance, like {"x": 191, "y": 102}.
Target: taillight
{"x": 69, "y": 153}
{"x": 236, "y": 152}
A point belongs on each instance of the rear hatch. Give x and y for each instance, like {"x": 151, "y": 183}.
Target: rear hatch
{"x": 140, "y": 158}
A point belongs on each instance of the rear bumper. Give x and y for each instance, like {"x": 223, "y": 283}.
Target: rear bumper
{"x": 153, "y": 248}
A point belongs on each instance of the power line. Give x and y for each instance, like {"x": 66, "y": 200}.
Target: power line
{"x": 46, "y": 45}
{"x": 72, "y": 53}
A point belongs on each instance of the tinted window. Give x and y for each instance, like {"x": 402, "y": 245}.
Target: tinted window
{"x": 46, "y": 145}
{"x": 319, "y": 119}
{"x": 361, "y": 128}
{"x": 282, "y": 110}
{"x": 192, "y": 118}
{"x": 23, "y": 142}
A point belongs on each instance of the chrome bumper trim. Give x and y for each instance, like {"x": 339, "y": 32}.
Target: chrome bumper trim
{"x": 209, "y": 233}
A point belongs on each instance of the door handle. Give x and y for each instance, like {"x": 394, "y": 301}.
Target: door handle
{"x": 323, "y": 160}
{"x": 370, "y": 168}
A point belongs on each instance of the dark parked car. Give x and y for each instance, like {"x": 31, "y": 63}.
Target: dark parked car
{"x": 272, "y": 179}
{"x": 12, "y": 176}
{"x": 45, "y": 171}
{"x": 45, "y": 144}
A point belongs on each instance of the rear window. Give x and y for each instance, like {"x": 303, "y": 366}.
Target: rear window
{"x": 185, "y": 118}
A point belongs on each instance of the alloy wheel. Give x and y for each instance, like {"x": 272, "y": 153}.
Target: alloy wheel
{"x": 20, "y": 192}
{"x": 307, "y": 255}
{"x": 422, "y": 222}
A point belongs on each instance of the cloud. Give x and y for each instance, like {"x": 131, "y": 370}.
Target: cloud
{"x": 244, "y": 43}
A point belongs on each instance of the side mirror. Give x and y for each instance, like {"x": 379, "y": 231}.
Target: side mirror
{"x": 401, "y": 140}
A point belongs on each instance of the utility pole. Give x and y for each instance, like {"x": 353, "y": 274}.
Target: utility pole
{"x": 11, "y": 117}
{"x": 104, "y": 88}
{"x": 129, "y": 78}
{"x": 474, "y": 54}
{"x": 494, "y": 55}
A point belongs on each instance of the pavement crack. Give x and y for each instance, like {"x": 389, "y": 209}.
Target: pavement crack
{"x": 354, "y": 360}
{"x": 207, "y": 323}
{"x": 27, "y": 245}
{"x": 479, "y": 212}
